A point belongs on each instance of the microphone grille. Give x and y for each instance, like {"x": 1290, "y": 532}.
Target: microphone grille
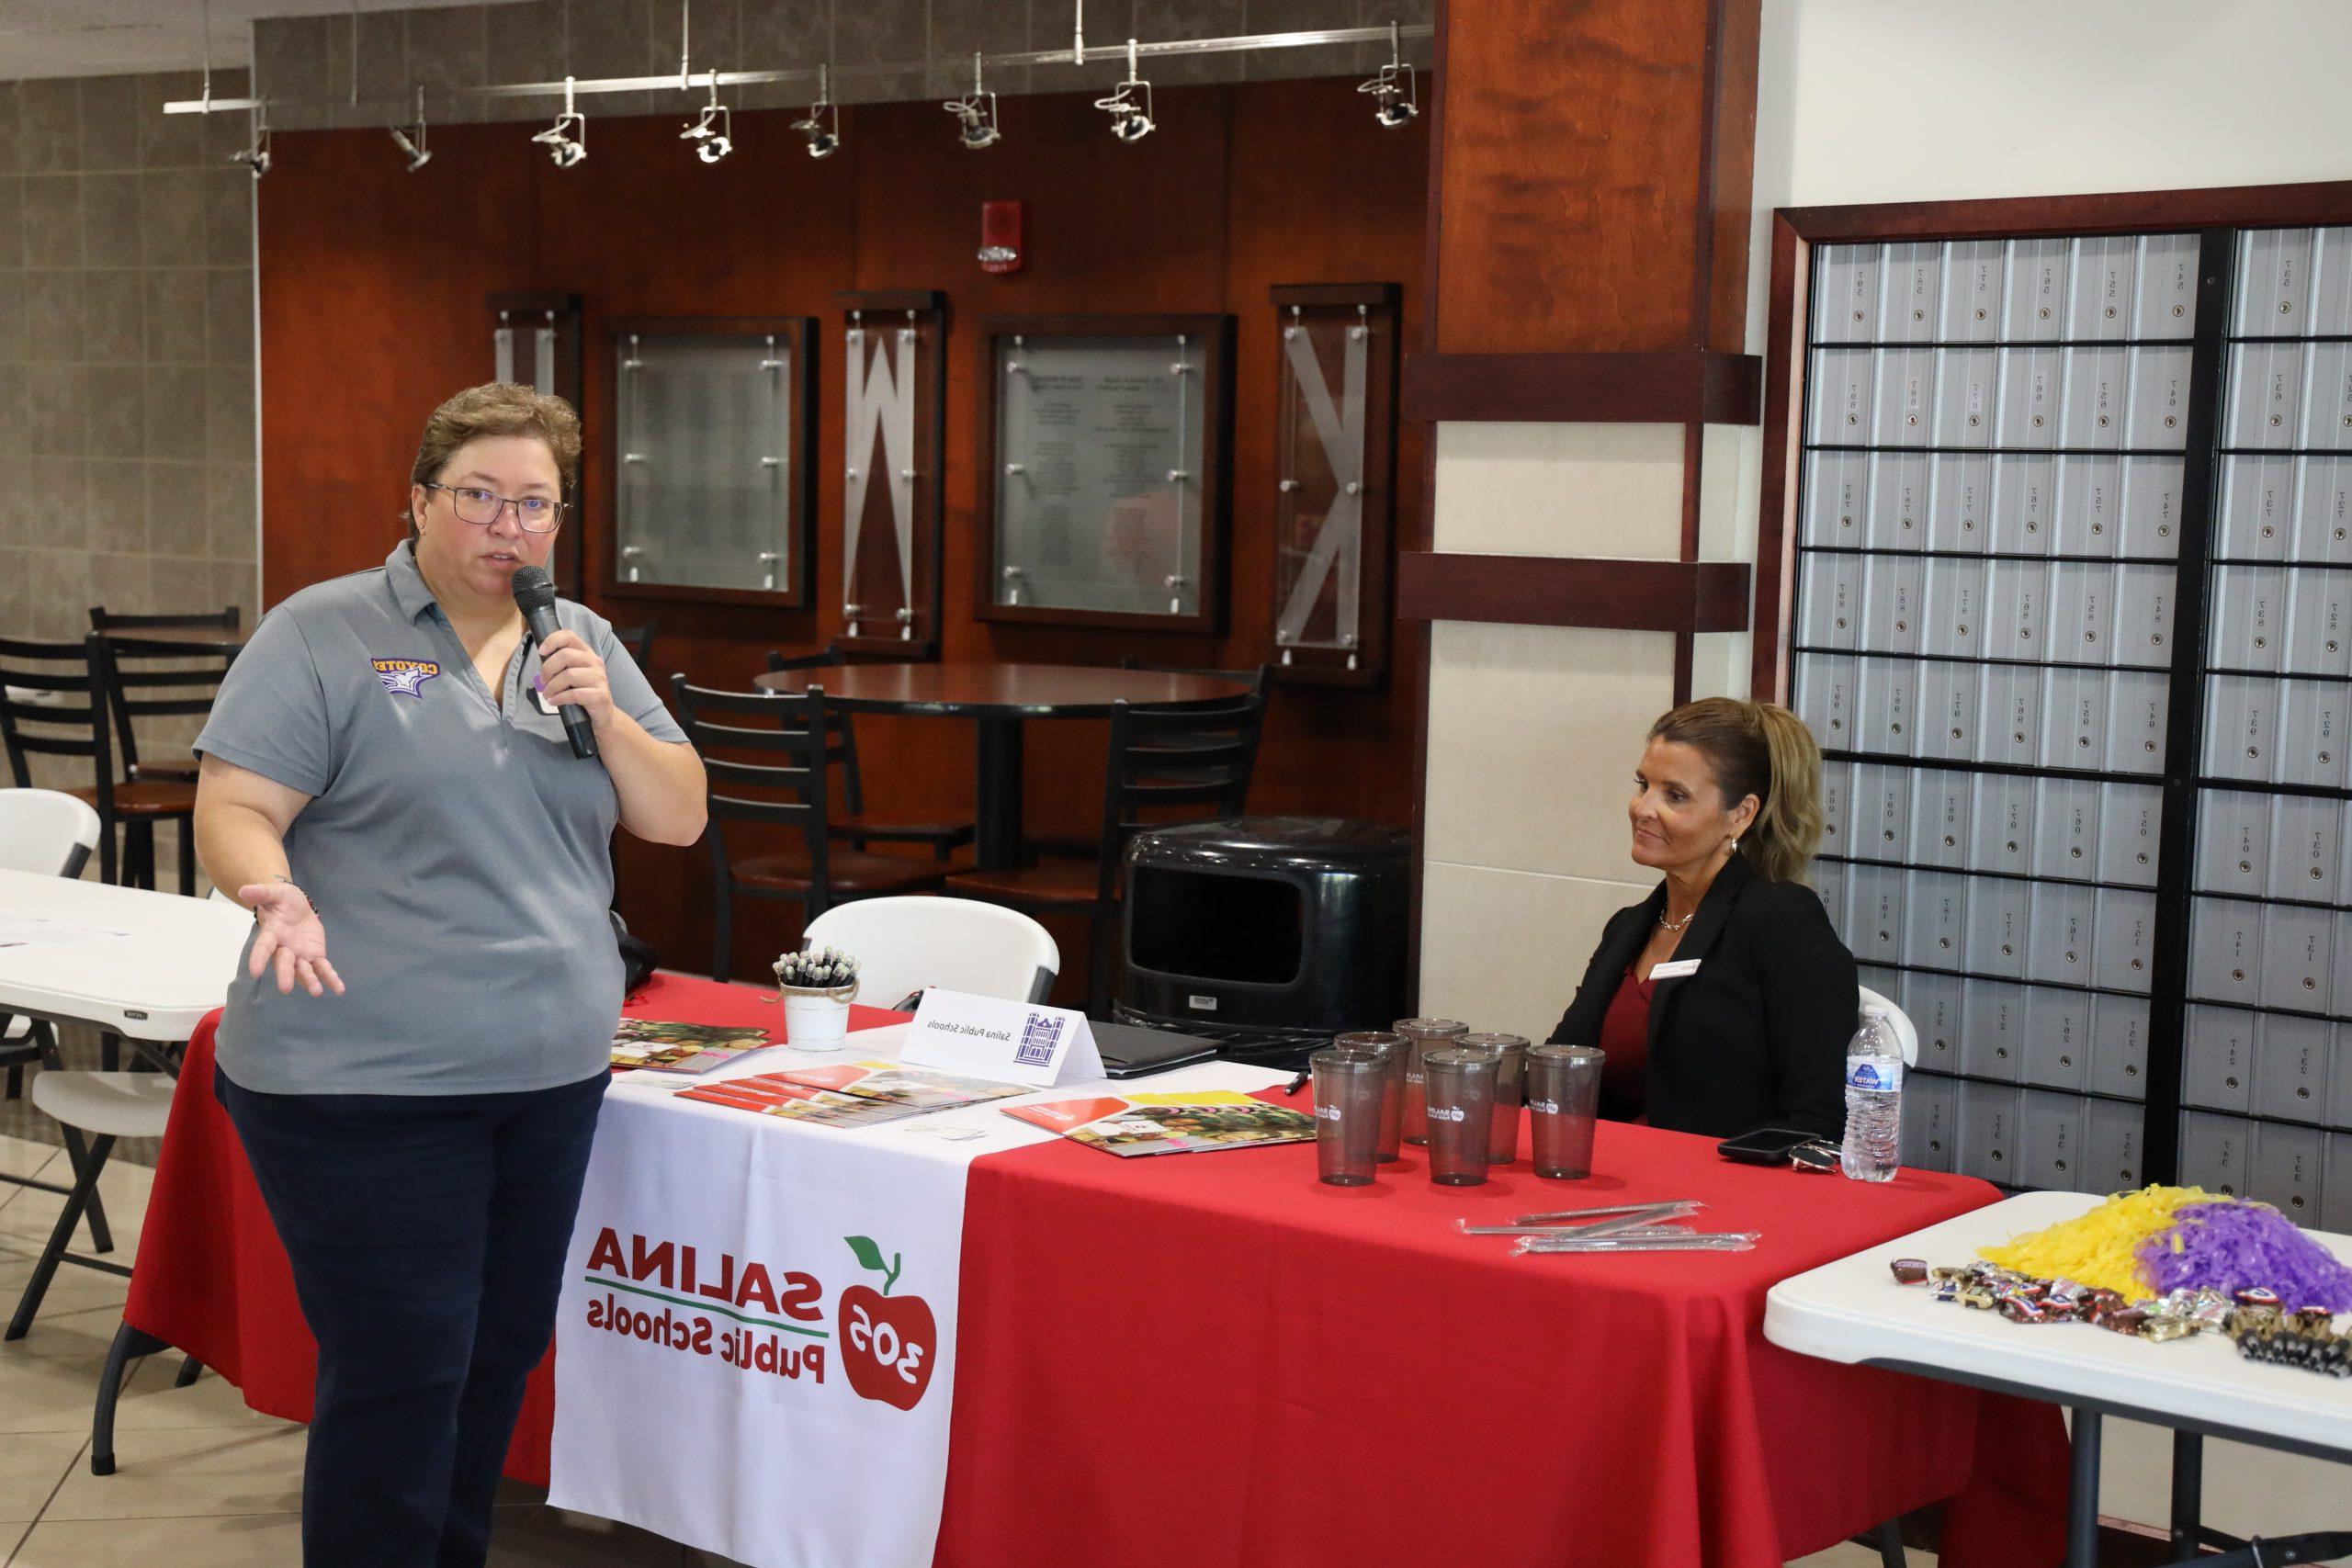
{"x": 534, "y": 589}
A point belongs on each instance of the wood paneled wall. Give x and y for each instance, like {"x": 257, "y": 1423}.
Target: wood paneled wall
{"x": 372, "y": 286}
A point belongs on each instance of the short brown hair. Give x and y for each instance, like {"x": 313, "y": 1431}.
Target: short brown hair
{"x": 1763, "y": 749}
{"x": 497, "y": 407}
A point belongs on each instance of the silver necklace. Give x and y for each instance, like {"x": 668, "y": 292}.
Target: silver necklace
{"x": 1675, "y": 927}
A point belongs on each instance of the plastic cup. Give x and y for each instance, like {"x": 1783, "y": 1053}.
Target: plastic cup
{"x": 1511, "y": 1071}
{"x": 1562, "y": 1089}
{"x": 1349, "y": 1089}
{"x": 1421, "y": 1036}
{"x": 1460, "y": 1089}
{"x": 1390, "y": 1049}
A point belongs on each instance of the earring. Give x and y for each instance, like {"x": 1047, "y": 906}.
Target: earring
{"x": 1735, "y": 846}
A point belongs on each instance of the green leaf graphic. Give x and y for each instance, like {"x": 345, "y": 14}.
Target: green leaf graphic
{"x": 868, "y": 1255}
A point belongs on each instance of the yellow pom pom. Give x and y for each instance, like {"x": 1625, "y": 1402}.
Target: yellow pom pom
{"x": 2100, "y": 1248}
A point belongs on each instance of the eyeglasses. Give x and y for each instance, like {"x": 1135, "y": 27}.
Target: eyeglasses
{"x": 536, "y": 513}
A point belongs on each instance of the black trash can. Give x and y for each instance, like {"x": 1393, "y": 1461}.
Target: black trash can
{"x": 1268, "y": 934}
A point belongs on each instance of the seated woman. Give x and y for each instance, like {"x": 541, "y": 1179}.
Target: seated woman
{"x": 1725, "y": 1001}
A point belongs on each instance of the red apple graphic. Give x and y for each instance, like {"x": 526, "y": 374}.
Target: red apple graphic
{"x": 887, "y": 1345}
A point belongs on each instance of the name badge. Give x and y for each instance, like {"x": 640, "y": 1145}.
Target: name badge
{"x": 539, "y": 700}
{"x": 1681, "y": 968}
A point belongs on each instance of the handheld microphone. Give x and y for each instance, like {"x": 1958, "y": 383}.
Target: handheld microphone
{"x": 535, "y": 596}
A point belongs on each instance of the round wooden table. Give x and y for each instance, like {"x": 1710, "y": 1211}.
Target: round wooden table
{"x": 1000, "y": 697}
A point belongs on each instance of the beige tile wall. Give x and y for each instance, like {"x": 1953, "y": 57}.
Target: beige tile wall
{"x": 126, "y": 361}
{"x": 1535, "y": 730}
{"x": 450, "y": 48}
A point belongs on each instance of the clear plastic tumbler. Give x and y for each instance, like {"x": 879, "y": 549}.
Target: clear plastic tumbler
{"x": 1510, "y": 1070}
{"x": 1459, "y": 1086}
{"x": 1390, "y": 1049}
{"x": 1563, "y": 1090}
{"x": 1349, "y": 1089}
{"x": 1422, "y": 1035}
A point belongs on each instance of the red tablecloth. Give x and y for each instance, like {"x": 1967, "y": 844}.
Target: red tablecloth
{"x": 1218, "y": 1359}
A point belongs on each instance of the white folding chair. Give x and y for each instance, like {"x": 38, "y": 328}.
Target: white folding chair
{"x": 49, "y": 833}
{"x": 107, "y": 1106}
{"x": 959, "y": 944}
{"x": 46, "y": 832}
{"x": 1906, "y": 1033}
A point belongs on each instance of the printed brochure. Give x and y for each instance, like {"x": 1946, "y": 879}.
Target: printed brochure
{"x": 690, "y": 1049}
{"x": 1170, "y": 1123}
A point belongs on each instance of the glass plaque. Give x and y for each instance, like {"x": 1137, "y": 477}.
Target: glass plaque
{"x": 891, "y": 473}
{"x": 1334, "y": 453}
{"x": 709, "y": 479}
{"x": 1106, "y": 468}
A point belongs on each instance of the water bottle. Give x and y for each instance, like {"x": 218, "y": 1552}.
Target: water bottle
{"x": 1873, "y": 1099}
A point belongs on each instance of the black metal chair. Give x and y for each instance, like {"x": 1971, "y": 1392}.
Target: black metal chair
{"x": 151, "y": 678}
{"x": 856, "y": 826}
{"x": 54, "y": 701}
{"x": 1164, "y": 764}
{"x": 225, "y": 622}
{"x": 1079, "y": 843}
{"x": 765, "y": 755}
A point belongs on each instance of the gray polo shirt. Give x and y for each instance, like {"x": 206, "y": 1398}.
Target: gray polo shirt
{"x": 460, "y": 854}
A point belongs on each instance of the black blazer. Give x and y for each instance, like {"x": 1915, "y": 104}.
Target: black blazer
{"x": 1758, "y": 1037}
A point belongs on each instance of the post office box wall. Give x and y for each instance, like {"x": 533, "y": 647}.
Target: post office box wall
{"x": 2118, "y": 1047}
{"x": 2216, "y": 1152}
{"x": 2217, "y": 1059}
{"x": 2050, "y": 1128}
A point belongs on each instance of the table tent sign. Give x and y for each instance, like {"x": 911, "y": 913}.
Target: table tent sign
{"x": 982, "y": 1037}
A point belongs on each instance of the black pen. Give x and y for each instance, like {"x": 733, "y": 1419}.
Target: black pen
{"x": 1299, "y": 1082}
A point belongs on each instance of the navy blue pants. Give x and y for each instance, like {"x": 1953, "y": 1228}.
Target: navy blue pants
{"x": 427, "y": 1236}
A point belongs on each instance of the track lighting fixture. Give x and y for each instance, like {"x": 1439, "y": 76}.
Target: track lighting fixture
{"x": 712, "y": 131}
{"x": 409, "y": 139}
{"x": 1129, "y": 106}
{"x": 1395, "y": 90}
{"x": 976, "y": 125}
{"x": 567, "y": 139}
{"x": 822, "y": 124}
{"x": 257, "y": 157}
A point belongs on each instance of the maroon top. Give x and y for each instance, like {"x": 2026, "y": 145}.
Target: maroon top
{"x": 1625, "y": 1036}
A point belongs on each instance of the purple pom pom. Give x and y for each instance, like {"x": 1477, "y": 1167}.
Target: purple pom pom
{"x": 2232, "y": 1246}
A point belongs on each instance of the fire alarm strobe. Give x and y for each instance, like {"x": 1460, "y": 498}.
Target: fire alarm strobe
{"x": 999, "y": 236}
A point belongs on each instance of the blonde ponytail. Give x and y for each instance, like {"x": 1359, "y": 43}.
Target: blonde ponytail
{"x": 1763, "y": 749}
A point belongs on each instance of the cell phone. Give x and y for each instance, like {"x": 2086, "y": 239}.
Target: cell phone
{"x": 1766, "y": 1146}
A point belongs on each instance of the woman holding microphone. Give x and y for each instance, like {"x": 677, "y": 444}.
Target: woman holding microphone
{"x": 417, "y": 1091}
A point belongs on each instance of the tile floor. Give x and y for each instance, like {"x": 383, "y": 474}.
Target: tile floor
{"x": 205, "y": 1482}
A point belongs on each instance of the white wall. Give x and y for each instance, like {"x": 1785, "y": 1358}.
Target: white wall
{"x": 1911, "y": 100}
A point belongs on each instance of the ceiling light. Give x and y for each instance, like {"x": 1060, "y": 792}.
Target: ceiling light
{"x": 822, "y": 125}
{"x": 711, "y": 133}
{"x": 1129, "y": 106}
{"x": 411, "y": 138}
{"x": 1395, "y": 90}
{"x": 977, "y": 115}
{"x": 567, "y": 139}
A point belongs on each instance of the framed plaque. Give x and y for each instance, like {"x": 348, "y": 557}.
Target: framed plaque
{"x": 1105, "y": 450}
{"x": 534, "y": 340}
{"x": 711, "y": 484}
{"x": 893, "y": 414}
{"x": 1335, "y": 471}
